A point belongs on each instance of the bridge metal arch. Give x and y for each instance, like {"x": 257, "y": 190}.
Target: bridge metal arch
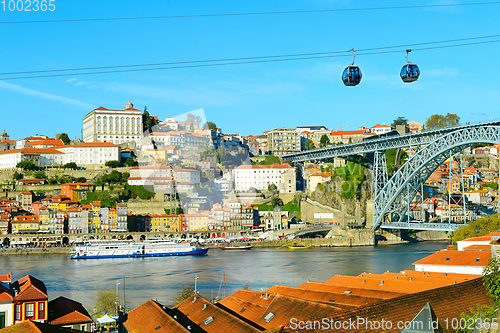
{"x": 392, "y": 199}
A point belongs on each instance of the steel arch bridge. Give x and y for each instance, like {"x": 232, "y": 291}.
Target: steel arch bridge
{"x": 392, "y": 201}
{"x": 393, "y": 196}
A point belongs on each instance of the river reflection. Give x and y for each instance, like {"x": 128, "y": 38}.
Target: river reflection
{"x": 160, "y": 278}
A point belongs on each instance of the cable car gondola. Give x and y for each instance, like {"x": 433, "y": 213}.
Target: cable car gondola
{"x": 352, "y": 74}
{"x": 410, "y": 72}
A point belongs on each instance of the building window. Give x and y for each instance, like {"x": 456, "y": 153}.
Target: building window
{"x": 18, "y": 312}
{"x": 41, "y": 310}
{"x": 29, "y": 311}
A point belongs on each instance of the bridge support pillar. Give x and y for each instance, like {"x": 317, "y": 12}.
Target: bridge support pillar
{"x": 380, "y": 176}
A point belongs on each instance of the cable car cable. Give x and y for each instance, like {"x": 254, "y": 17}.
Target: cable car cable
{"x": 237, "y": 63}
{"x": 251, "y": 58}
{"x": 253, "y": 13}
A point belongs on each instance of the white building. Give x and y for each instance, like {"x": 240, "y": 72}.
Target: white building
{"x": 261, "y": 176}
{"x": 461, "y": 262}
{"x": 90, "y": 155}
{"x": 41, "y": 157}
{"x": 481, "y": 240}
{"x": 380, "y": 129}
{"x": 116, "y": 126}
{"x": 6, "y": 301}
{"x": 182, "y": 138}
{"x": 161, "y": 177}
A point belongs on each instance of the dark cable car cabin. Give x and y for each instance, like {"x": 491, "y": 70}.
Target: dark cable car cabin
{"x": 410, "y": 72}
{"x": 352, "y": 74}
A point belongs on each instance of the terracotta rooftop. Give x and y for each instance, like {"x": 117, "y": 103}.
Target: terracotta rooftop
{"x": 341, "y": 300}
{"x": 481, "y": 247}
{"x": 152, "y": 317}
{"x": 384, "y": 294}
{"x": 35, "y": 327}
{"x": 211, "y": 318}
{"x": 456, "y": 258}
{"x": 273, "y": 310}
{"x": 5, "y": 294}
{"x": 63, "y": 311}
{"x": 30, "y": 288}
{"x": 276, "y": 166}
{"x": 447, "y": 302}
{"x": 384, "y": 284}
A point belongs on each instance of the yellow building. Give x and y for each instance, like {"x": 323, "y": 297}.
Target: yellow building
{"x": 198, "y": 222}
{"x": 157, "y": 154}
{"x": 95, "y": 224}
{"x": 113, "y": 219}
{"x": 43, "y": 218}
{"x": 25, "y": 224}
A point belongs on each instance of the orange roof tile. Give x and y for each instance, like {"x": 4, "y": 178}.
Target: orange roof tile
{"x": 30, "y": 288}
{"x": 35, "y": 327}
{"x": 198, "y": 310}
{"x": 456, "y": 258}
{"x": 64, "y": 311}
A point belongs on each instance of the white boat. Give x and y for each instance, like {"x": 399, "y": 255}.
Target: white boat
{"x": 135, "y": 250}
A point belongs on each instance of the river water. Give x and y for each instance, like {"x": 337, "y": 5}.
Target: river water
{"x": 161, "y": 278}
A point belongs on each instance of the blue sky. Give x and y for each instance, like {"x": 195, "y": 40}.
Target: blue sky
{"x": 250, "y": 98}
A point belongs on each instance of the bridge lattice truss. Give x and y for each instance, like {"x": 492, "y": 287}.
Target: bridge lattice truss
{"x": 393, "y": 196}
{"x": 381, "y": 144}
{"x": 392, "y": 201}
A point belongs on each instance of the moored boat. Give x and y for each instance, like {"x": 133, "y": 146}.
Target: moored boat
{"x": 298, "y": 247}
{"x": 243, "y": 247}
{"x": 135, "y": 250}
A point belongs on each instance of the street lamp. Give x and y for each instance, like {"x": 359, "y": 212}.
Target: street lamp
{"x": 117, "y": 302}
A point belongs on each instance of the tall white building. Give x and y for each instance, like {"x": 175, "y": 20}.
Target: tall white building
{"x": 116, "y": 126}
{"x": 261, "y": 176}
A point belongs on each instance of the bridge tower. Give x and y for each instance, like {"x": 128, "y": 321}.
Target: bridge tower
{"x": 380, "y": 176}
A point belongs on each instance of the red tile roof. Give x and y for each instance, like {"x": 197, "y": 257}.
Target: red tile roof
{"x": 64, "y": 311}
{"x": 477, "y": 248}
{"x": 152, "y": 317}
{"x": 30, "y": 288}
{"x": 5, "y": 295}
{"x": 447, "y": 302}
{"x": 456, "y": 258}
{"x": 47, "y": 142}
{"x": 198, "y": 310}
{"x": 275, "y": 166}
{"x": 35, "y": 327}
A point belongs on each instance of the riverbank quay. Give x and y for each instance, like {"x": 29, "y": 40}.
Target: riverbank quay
{"x": 34, "y": 251}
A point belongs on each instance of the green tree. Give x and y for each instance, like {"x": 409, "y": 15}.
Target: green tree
{"x": 439, "y": 121}
{"x": 148, "y": 121}
{"x": 130, "y": 162}
{"x": 211, "y": 125}
{"x": 184, "y": 293}
{"x": 324, "y": 141}
{"x": 112, "y": 164}
{"x": 81, "y": 180}
{"x": 276, "y": 201}
{"x": 309, "y": 145}
{"x": 40, "y": 175}
{"x": 26, "y": 165}
{"x": 16, "y": 176}
{"x": 105, "y": 302}
{"x": 64, "y": 138}
{"x": 272, "y": 187}
{"x": 399, "y": 121}
{"x": 71, "y": 165}
{"x": 124, "y": 177}
{"x": 482, "y": 226}
{"x": 492, "y": 280}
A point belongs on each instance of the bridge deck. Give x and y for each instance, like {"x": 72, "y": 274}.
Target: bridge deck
{"x": 421, "y": 226}
{"x": 381, "y": 144}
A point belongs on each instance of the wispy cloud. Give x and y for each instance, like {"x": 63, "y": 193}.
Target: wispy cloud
{"x": 31, "y": 92}
{"x": 218, "y": 93}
